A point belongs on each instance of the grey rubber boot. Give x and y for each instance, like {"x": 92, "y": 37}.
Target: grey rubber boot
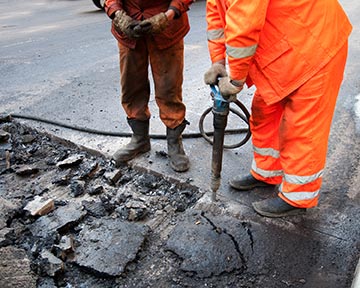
{"x": 247, "y": 182}
{"x": 276, "y": 207}
{"x": 139, "y": 143}
{"x": 177, "y": 157}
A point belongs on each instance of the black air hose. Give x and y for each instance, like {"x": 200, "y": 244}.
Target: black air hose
{"x": 155, "y": 136}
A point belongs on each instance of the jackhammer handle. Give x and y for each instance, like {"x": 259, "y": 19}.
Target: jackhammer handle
{"x": 216, "y": 93}
{"x": 214, "y": 90}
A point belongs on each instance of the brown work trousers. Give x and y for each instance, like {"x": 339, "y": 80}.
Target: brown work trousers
{"x": 167, "y": 72}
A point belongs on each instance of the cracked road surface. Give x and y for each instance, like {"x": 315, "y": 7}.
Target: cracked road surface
{"x": 53, "y": 65}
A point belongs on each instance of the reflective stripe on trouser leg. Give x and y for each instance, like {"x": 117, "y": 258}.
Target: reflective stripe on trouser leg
{"x": 167, "y": 70}
{"x": 304, "y": 132}
{"x": 264, "y": 123}
{"x": 134, "y": 79}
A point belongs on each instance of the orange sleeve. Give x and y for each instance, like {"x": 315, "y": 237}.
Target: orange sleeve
{"x": 180, "y": 6}
{"x": 111, "y": 6}
{"x": 241, "y": 23}
{"x": 244, "y": 22}
{"x": 215, "y": 24}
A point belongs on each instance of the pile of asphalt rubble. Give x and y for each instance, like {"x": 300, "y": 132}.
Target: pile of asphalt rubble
{"x": 70, "y": 218}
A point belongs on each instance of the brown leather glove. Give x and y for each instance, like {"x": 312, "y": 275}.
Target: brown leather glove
{"x": 229, "y": 89}
{"x": 155, "y": 24}
{"x": 125, "y": 24}
{"x": 216, "y": 71}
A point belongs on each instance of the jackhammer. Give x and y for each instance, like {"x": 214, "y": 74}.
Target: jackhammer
{"x": 220, "y": 110}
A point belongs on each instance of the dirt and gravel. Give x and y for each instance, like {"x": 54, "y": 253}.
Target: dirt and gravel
{"x": 84, "y": 188}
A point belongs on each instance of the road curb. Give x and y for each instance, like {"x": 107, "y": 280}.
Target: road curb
{"x": 356, "y": 280}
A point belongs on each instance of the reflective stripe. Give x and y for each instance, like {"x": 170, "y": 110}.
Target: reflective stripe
{"x": 267, "y": 152}
{"x": 265, "y": 173}
{"x": 295, "y": 179}
{"x": 300, "y": 180}
{"x": 241, "y": 52}
{"x": 215, "y": 34}
{"x": 298, "y": 196}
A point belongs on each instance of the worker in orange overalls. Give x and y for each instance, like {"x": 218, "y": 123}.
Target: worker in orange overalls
{"x": 151, "y": 32}
{"x": 294, "y": 52}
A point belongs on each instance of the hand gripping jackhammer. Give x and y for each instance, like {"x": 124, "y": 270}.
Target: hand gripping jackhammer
{"x": 220, "y": 110}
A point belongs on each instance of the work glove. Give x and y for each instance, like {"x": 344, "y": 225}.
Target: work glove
{"x": 125, "y": 24}
{"x": 229, "y": 88}
{"x": 153, "y": 25}
{"x": 216, "y": 71}
{"x": 143, "y": 28}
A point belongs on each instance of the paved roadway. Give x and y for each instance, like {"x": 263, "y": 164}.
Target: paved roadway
{"x": 59, "y": 61}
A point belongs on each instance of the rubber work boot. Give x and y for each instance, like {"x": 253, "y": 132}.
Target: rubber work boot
{"x": 177, "y": 158}
{"x": 276, "y": 207}
{"x": 139, "y": 143}
{"x": 247, "y": 182}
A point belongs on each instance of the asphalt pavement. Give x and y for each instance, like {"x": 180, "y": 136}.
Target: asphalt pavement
{"x": 59, "y": 62}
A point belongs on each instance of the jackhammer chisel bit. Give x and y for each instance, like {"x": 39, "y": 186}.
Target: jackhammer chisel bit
{"x": 220, "y": 111}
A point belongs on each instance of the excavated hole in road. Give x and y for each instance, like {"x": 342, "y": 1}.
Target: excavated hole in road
{"x": 85, "y": 194}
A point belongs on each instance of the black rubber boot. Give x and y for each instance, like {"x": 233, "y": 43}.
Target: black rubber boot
{"x": 247, "y": 182}
{"x": 276, "y": 207}
{"x": 177, "y": 157}
{"x": 139, "y": 143}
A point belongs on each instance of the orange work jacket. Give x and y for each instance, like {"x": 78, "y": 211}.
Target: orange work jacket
{"x": 140, "y": 10}
{"x": 276, "y": 44}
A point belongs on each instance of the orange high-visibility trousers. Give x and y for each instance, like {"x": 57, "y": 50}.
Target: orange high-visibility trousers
{"x": 290, "y": 137}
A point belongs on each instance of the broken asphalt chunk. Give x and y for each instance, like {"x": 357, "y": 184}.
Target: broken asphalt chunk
{"x": 40, "y": 206}
{"x": 108, "y": 245}
{"x": 6, "y": 236}
{"x": 65, "y": 247}
{"x": 27, "y": 138}
{"x": 4, "y": 136}
{"x": 26, "y": 170}
{"x": 96, "y": 190}
{"x": 207, "y": 249}
{"x": 50, "y": 264}
{"x": 94, "y": 208}
{"x": 63, "y": 178}
{"x": 77, "y": 188}
{"x": 60, "y": 219}
{"x": 70, "y": 161}
{"x": 89, "y": 170}
{"x": 113, "y": 176}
